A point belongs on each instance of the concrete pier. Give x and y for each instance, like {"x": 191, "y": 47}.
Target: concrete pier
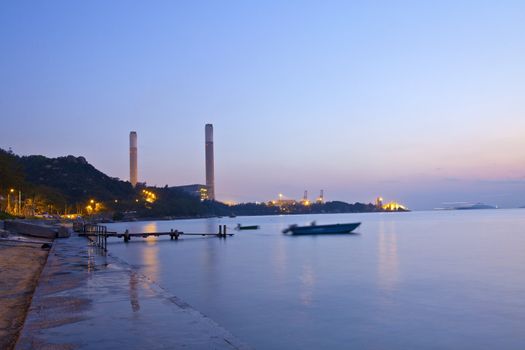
{"x": 86, "y": 299}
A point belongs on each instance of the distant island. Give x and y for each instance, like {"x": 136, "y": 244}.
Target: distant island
{"x": 70, "y": 187}
{"x": 475, "y": 207}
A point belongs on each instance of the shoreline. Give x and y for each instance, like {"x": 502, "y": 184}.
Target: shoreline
{"x": 21, "y": 264}
{"x": 88, "y": 299}
{"x": 250, "y": 215}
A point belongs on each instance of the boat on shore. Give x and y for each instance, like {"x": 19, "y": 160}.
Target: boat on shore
{"x": 239, "y": 227}
{"x": 315, "y": 229}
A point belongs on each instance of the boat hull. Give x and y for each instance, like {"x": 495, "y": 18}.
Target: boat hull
{"x": 322, "y": 229}
{"x": 244, "y": 228}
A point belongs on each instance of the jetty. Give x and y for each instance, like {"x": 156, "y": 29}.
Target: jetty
{"x": 100, "y": 234}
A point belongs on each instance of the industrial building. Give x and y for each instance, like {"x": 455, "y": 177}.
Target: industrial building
{"x": 197, "y": 190}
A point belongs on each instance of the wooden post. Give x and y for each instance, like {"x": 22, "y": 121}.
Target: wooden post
{"x": 224, "y": 231}
{"x": 220, "y": 231}
{"x": 126, "y": 236}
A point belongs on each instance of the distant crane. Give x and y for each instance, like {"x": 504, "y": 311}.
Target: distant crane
{"x": 320, "y": 199}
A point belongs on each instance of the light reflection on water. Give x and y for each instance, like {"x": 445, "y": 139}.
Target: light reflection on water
{"x": 429, "y": 280}
{"x": 388, "y": 261}
{"x": 307, "y": 285}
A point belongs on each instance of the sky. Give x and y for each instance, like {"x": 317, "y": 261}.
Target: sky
{"x": 417, "y": 101}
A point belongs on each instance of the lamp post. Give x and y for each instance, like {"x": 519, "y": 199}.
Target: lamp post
{"x": 8, "y": 209}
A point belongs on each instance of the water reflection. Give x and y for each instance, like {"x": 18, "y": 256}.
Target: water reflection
{"x": 369, "y": 291}
{"x": 307, "y": 285}
{"x": 133, "y": 294}
{"x": 388, "y": 259}
{"x": 279, "y": 259}
{"x": 150, "y": 258}
{"x": 212, "y": 225}
{"x": 91, "y": 258}
{"x": 151, "y": 227}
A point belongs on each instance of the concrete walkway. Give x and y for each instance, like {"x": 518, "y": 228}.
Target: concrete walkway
{"x": 20, "y": 267}
{"x": 88, "y": 300}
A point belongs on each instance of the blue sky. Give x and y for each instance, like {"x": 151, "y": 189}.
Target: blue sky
{"x": 417, "y": 101}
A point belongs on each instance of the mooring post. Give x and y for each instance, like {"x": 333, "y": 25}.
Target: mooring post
{"x": 126, "y": 236}
{"x": 105, "y": 230}
{"x": 224, "y": 231}
{"x": 171, "y": 234}
{"x": 220, "y": 231}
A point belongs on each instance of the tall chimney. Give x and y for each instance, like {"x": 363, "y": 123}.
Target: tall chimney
{"x": 133, "y": 172}
{"x": 210, "y": 173}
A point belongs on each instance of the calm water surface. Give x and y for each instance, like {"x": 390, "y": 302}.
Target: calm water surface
{"x": 420, "y": 280}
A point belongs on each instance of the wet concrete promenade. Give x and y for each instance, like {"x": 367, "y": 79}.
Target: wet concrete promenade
{"x": 88, "y": 300}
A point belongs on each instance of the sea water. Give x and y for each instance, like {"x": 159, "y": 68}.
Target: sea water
{"x": 417, "y": 280}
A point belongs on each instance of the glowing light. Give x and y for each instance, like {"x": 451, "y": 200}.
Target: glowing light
{"x": 394, "y": 206}
{"x": 149, "y": 196}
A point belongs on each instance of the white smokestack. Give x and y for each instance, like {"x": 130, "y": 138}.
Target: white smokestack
{"x": 210, "y": 172}
{"x": 133, "y": 166}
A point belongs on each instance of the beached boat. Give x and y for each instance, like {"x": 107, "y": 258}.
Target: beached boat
{"x": 314, "y": 229}
{"x": 239, "y": 227}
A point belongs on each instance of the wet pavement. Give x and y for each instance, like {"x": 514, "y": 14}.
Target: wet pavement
{"x": 20, "y": 265}
{"x": 87, "y": 299}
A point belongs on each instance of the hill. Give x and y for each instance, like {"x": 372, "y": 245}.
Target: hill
{"x": 70, "y": 185}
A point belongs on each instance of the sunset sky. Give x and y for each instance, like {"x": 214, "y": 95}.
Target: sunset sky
{"x": 420, "y": 102}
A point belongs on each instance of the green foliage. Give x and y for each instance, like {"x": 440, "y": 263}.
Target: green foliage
{"x": 5, "y": 216}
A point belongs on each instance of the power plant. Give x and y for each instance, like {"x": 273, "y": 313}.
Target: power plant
{"x": 133, "y": 170}
{"x": 210, "y": 172}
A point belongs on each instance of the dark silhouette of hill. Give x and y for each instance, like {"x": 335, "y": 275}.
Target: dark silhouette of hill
{"x": 54, "y": 184}
{"x": 70, "y": 184}
{"x": 74, "y": 178}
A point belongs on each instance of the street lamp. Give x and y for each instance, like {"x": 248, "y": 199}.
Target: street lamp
{"x": 8, "y": 208}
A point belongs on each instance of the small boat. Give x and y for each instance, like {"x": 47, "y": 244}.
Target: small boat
{"x": 239, "y": 227}
{"x": 315, "y": 229}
